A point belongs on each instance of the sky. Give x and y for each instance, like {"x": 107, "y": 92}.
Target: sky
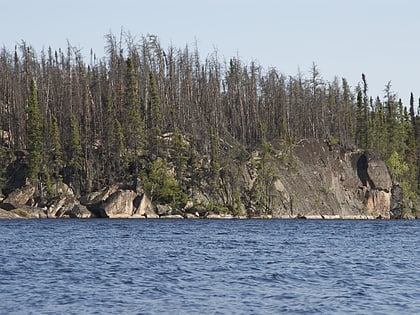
{"x": 343, "y": 38}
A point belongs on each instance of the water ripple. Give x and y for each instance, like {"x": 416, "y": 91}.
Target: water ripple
{"x": 209, "y": 267}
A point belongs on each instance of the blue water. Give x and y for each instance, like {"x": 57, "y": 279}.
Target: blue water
{"x": 209, "y": 267}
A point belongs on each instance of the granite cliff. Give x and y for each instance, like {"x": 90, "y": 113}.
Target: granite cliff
{"x": 308, "y": 179}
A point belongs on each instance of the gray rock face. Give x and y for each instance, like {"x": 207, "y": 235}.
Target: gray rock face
{"x": 30, "y": 212}
{"x": 379, "y": 175}
{"x": 144, "y": 208}
{"x": 56, "y": 204}
{"x": 163, "y": 210}
{"x": 120, "y": 204}
{"x": 99, "y": 196}
{"x": 78, "y": 212}
{"x": 379, "y": 203}
{"x": 4, "y": 214}
{"x": 324, "y": 181}
{"x": 20, "y": 196}
{"x": 378, "y": 186}
{"x": 396, "y": 203}
{"x": 17, "y": 171}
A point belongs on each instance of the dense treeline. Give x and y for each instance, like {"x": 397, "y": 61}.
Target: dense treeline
{"x": 93, "y": 123}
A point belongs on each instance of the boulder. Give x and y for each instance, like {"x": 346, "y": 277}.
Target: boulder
{"x": 65, "y": 206}
{"x": 63, "y": 189}
{"x": 55, "y": 204}
{"x": 163, "y": 210}
{"x": 99, "y": 196}
{"x": 20, "y": 196}
{"x": 118, "y": 205}
{"x": 78, "y": 212}
{"x": 30, "y": 212}
{"x": 378, "y": 174}
{"x": 198, "y": 210}
{"x": 4, "y": 214}
{"x": 172, "y": 216}
{"x": 144, "y": 207}
{"x": 192, "y": 215}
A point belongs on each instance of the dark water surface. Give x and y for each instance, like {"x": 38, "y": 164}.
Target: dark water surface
{"x": 209, "y": 267}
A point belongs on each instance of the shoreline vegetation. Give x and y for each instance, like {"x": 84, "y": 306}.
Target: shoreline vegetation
{"x": 148, "y": 132}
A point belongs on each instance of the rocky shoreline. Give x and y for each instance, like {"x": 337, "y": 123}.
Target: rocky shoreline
{"x": 37, "y": 213}
{"x": 323, "y": 183}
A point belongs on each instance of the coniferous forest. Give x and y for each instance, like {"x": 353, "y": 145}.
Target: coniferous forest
{"x": 91, "y": 122}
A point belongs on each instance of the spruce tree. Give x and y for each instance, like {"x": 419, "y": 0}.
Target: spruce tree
{"x": 116, "y": 155}
{"x": 74, "y": 157}
{"x": 347, "y": 131}
{"x": 155, "y": 117}
{"x": 75, "y": 147}
{"x": 193, "y": 170}
{"x": 120, "y": 153}
{"x": 404, "y": 128}
{"x": 180, "y": 156}
{"x": 134, "y": 127}
{"x": 412, "y": 113}
{"x": 134, "y": 124}
{"x": 378, "y": 133}
{"x": 361, "y": 121}
{"x": 34, "y": 135}
{"x": 56, "y": 154}
{"x": 266, "y": 177}
{"x": 416, "y": 123}
{"x": 392, "y": 121}
{"x": 410, "y": 154}
{"x": 215, "y": 164}
{"x": 162, "y": 186}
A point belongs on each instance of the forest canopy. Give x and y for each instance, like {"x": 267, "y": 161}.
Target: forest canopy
{"x": 92, "y": 123}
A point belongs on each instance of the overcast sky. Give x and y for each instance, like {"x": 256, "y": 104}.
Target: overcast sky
{"x": 344, "y": 38}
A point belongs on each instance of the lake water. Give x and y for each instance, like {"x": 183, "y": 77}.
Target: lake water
{"x": 209, "y": 267}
